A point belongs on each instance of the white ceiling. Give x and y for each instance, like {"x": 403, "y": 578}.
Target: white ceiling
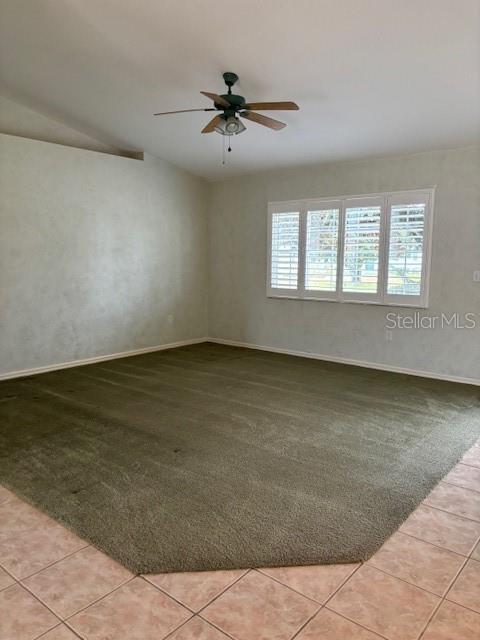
{"x": 372, "y": 77}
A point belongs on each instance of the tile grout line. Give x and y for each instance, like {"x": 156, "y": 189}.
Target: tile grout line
{"x": 345, "y": 617}
{"x": 43, "y": 605}
{"x": 436, "y": 508}
{"x": 229, "y": 635}
{"x": 57, "y": 627}
{"x": 221, "y": 594}
{"x": 302, "y": 626}
{"x": 332, "y": 595}
{"x": 164, "y": 592}
{"x": 16, "y": 580}
{"x": 463, "y": 606}
{"x": 452, "y": 582}
{"x": 412, "y": 584}
{"x": 453, "y": 484}
{"x": 431, "y": 544}
{"x": 444, "y": 597}
{"x": 465, "y": 464}
{"x": 443, "y": 548}
{"x": 430, "y": 618}
{"x": 440, "y": 600}
{"x": 451, "y": 513}
{"x": 69, "y": 555}
{"x": 68, "y": 618}
{"x": 361, "y": 564}
{"x": 170, "y": 634}
{"x": 319, "y": 605}
{"x": 63, "y": 618}
{"x": 297, "y": 633}
{"x": 296, "y": 590}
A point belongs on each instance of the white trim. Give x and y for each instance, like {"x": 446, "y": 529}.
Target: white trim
{"x": 349, "y": 196}
{"x": 247, "y": 345}
{"x": 111, "y": 356}
{"x": 358, "y": 363}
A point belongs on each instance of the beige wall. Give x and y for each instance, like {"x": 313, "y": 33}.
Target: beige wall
{"x": 98, "y": 254}
{"x": 239, "y": 309}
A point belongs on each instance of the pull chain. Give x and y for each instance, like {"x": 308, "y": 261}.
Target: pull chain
{"x": 224, "y": 146}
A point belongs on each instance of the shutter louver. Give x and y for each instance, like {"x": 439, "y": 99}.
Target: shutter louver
{"x": 284, "y": 256}
{"x": 321, "y": 250}
{"x": 405, "y": 251}
{"x": 361, "y": 250}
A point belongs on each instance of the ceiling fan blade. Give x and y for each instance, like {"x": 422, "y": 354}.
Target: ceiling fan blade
{"x": 267, "y": 122}
{"x": 271, "y": 106}
{"x": 216, "y": 99}
{"x": 166, "y": 113}
{"x": 211, "y": 125}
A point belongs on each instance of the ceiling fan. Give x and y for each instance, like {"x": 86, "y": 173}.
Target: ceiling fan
{"x": 228, "y": 123}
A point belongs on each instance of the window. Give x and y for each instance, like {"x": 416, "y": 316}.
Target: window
{"x": 372, "y": 249}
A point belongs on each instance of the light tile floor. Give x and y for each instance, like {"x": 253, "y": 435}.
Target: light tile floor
{"x": 423, "y": 583}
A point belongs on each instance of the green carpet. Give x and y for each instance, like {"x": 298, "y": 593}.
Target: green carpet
{"x": 215, "y": 457}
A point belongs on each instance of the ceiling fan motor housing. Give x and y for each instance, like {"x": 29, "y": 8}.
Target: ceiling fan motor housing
{"x": 235, "y": 101}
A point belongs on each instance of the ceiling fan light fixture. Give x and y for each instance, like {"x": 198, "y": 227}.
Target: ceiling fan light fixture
{"x": 230, "y": 126}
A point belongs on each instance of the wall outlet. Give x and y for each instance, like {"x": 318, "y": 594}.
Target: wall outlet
{"x": 170, "y": 319}
{"x": 476, "y": 276}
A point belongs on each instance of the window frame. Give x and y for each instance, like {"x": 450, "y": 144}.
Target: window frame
{"x": 385, "y": 200}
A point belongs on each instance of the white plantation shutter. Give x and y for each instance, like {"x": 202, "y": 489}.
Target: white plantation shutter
{"x": 321, "y": 253}
{"x": 373, "y": 249}
{"x": 405, "y": 251}
{"x": 285, "y": 230}
{"x": 361, "y": 255}
{"x": 408, "y": 236}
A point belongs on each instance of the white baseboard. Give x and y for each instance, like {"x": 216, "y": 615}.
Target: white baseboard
{"x": 357, "y": 363}
{"x": 234, "y": 343}
{"x": 111, "y": 356}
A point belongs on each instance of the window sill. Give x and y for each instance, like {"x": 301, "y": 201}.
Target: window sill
{"x": 375, "y": 303}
